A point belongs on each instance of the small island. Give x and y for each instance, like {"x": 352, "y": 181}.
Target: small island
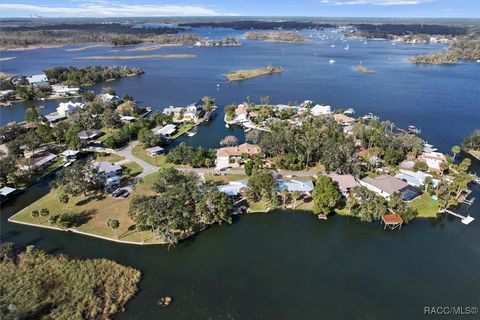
{"x": 364, "y": 69}
{"x": 251, "y": 73}
{"x": 62, "y": 288}
{"x": 276, "y": 36}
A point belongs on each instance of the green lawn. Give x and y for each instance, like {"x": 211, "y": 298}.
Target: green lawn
{"x": 211, "y": 179}
{"x": 100, "y": 208}
{"x": 184, "y": 127}
{"x": 158, "y": 161}
{"x": 259, "y": 206}
{"x": 133, "y": 169}
{"x": 99, "y": 157}
{"x": 425, "y": 206}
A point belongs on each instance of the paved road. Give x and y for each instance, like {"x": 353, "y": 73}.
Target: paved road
{"x": 148, "y": 168}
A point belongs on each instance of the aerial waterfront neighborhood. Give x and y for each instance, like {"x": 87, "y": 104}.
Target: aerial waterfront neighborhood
{"x": 214, "y": 160}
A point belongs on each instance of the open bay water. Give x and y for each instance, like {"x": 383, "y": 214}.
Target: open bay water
{"x": 286, "y": 265}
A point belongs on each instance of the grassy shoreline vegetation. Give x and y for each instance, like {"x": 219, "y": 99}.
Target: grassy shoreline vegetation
{"x": 364, "y": 69}
{"x": 245, "y": 74}
{"x": 148, "y": 56}
{"x": 59, "y": 287}
{"x": 276, "y": 36}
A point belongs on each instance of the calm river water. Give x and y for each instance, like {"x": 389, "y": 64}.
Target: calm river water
{"x": 290, "y": 265}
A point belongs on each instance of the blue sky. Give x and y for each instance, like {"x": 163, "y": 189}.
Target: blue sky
{"x": 319, "y": 8}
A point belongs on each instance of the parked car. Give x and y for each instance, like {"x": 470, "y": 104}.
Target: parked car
{"x": 120, "y": 193}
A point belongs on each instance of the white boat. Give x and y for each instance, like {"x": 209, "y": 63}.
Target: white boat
{"x": 349, "y": 111}
{"x": 332, "y": 61}
{"x": 226, "y": 125}
{"x": 191, "y": 133}
{"x": 347, "y": 47}
{"x": 332, "y": 46}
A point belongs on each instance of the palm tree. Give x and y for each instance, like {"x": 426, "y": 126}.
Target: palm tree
{"x": 455, "y": 151}
{"x": 63, "y": 197}
{"x": 150, "y": 222}
{"x": 44, "y": 212}
{"x": 114, "y": 224}
{"x": 12, "y": 178}
{"x": 35, "y": 214}
{"x": 295, "y": 196}
{"x": 285, "y": 194}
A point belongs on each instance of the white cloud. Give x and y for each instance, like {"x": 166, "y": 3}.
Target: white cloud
{"x": 376, "y": 2}
{"x": 104, "y": 8}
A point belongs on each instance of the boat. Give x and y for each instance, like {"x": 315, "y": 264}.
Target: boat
{"x": 347, "y": 47}
{"x": 332, "y": 61}
{"x": 322, "y": 217}
{"x": 191, "y": 133}
{"x": 349, "y": 111}
{"x": 332, "y": 46}
{"x": 413, "y": 129}
{"x": 226, "y": 125}
{"x": 41, "y": 107}
{"x": 370, "y": 116}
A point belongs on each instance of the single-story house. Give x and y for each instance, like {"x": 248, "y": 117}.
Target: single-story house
{"x": 241, "y": 113}
{"x": 109, "y": 169}
{"x": 305, "y": 187}
{"x": 38, "y": 80}
{"x": 89, "y": 134}
{"x": 172, "y": 110}
{"x": 321, "y": 110}
{"x": 224, "y": 155}
{"x": 386, "y": 186}
{"x": 54, "y": 117}
{"x": 62, "y": 90}
{"x": 109, "y": 98}
{"x": 69, "y": 155}
{"x": 67, "y": 108}
{"x": 343, "y": 119}
{"x": 433, "y": 160}
{"x": 415, "y": 179}
{"x": 233, "y": 188}
{"x": 166, "y": 131}
{"x": 345, "y": 182}
{"x": 39, "y": 160}
{"x": 152, "y": 152}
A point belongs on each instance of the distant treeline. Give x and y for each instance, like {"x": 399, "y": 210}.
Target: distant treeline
{"x": 95, "y": 27}
{"x": 88, "y": 75}
{"x": 258, "y": 25}
{"x": 388, "y": 30}
{"x": 465, "y": 48}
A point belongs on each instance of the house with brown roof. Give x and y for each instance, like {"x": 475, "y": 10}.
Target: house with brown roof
{"x": 344, "y": 120}
{"x": 345, "y": 182}
{"x": 433, "y": 160}
{"x": 227, "y": 155}
{"x": 386, "y": 186}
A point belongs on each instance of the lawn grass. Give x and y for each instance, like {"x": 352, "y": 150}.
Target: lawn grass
{"x": 259, "y": 206}
{"x": 99, "y": 157}
{"x": 425, "y": 206}
{"x": 211, "y": 179}
{"x": 131, "y": 169}
{"x": 101, "y": 209}
{"x": 184, "y": 128}
{"x": 158, "y": 161}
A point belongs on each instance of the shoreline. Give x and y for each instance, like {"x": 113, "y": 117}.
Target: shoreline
{"x": 31, "y": 47}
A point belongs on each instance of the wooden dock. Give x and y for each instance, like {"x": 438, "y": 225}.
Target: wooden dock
{"x": 465, "y": 219}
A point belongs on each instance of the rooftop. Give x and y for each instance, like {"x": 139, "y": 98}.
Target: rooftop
{"x": 107, "y": 167}
{"x": 247, "y": 148}
{"x": 392, "y": 218}
{"x": 294, "y": 185}
{"x": 386, "y": 183}
{"x": 345, "y": 181}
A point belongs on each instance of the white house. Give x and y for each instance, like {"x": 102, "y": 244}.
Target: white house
{"x": 69, "y": 155}
{"x": 305, "y": 187}
{"x": 38, "y": 79}
{"x": 433, "y": 160}
{"x": 67, "y": 108}
{"x": 165, "y": 131}
{"x": 62, "y": 90}
{"x": 415, "y": 179}
{"x": 155, "y": 151}
{"x": 109, "y": 169}
{"x": 233, "y": 188}
{"x": 241, "y": 113}
{"x": 321, "y": 110}
{"x": 106, "y": 98}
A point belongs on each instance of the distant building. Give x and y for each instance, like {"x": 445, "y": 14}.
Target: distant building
{"x": 109, "y": 169}
{"x": 345, "y": 182}
{"x": 321, "y": 110}
{"x": 226, "y": 155}
{"x": 67, "y": 108}
{"x": 38, "y": 80}
{"x": 69, "y": 155}
{"x": 305, "y": 187}
{"x": 343, "y": 119}
{"x": 109, "y": 98}
{"x": 433, "y": 160}
{"x": 233, "y": 188}
{"x": 386, "y": 186}
{"x": 63, "y": 90}
{"x": 89, "y": 134}
{"x": 152, "y": 152}
{"x": 166, "y": 131}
